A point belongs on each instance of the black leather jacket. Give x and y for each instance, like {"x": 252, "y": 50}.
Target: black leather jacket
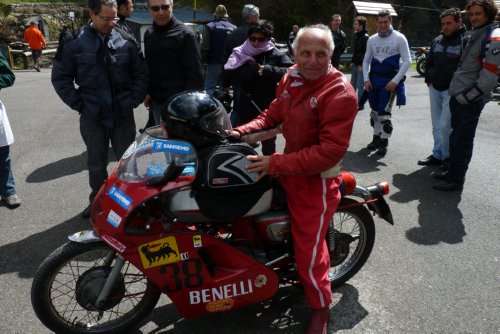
{"x": 443, "y": 58}
{"x": 112, "y": 78}
{"x": 173, "y": 58}
{"x": 359, "y": 47}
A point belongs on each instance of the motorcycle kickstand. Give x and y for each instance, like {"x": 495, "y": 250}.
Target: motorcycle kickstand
{"x": 113, "y": 275}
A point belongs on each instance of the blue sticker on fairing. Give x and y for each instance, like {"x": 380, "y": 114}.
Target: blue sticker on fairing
{"x": 171, "y": 146}
{"x": 119, "y": 197}
{"x": 114, "y": 219}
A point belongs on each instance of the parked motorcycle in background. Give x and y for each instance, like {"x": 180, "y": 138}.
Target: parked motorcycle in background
{"x": 196, "y": 227}
{"x": 422, "y": 53}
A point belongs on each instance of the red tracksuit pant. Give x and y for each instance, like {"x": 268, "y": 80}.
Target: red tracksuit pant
{"x": 312, "y": 201}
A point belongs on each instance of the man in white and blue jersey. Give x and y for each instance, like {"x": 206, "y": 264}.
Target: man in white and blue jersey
{"x": 384, "y": 77}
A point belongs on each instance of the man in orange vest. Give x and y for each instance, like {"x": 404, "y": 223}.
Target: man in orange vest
{"x": 35, "y": 39}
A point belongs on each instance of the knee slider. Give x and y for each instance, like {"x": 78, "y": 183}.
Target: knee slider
{"x": 385, "y": 121}
{"x": 387, "y": 126}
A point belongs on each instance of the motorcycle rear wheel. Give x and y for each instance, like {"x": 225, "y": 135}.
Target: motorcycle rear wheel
{"x": 354, "y": 232}
{"x": 63, "y": 282}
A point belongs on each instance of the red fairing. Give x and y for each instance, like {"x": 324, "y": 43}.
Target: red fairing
{"x": 198, "y": 272}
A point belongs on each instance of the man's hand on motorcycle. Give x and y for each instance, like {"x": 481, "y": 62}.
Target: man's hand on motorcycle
{"x": 234, "y": 134}
{"x": 260, "y": 164}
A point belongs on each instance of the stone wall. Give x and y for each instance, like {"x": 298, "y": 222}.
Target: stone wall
{"x": 55, "y": 15}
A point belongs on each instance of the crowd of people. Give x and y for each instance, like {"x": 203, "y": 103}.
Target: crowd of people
{"x": 103, "y": 75}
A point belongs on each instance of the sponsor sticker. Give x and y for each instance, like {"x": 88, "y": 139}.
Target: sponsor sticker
{"x": 220, "y": 305}
{"x": 184, "y": 256}
{"x": 313, "y": 102}
{"x": 118, "y": 246}
{"x": 222, "y": 180}
{"x": 171, "y": 146}
{"x": 159, "y": 252}
{"x": 221, "y": 293}
{"x": 114, "y": 219}
{"x": 260, "y": 281}
{"x": 119, "y": 197}
{"x": 197, "y": 241}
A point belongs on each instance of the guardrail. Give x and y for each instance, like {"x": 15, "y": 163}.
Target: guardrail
{"x": 25, "y": 55}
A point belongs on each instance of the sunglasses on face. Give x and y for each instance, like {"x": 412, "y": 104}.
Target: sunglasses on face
{"x": 257, "y": 39}
{"x": 162, "y": 7}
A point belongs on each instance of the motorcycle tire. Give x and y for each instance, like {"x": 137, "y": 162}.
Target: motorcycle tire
{"x": 421, "y": 66}
{"x": 353, "y": 229}
{"x": 68, "y": 281}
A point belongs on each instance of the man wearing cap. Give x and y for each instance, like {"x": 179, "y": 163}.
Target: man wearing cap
{"x": 35, "y": 39}
{"x": 212, "y": 47}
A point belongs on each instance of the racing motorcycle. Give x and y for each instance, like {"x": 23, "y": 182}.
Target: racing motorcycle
{"x": 195, "y": 226}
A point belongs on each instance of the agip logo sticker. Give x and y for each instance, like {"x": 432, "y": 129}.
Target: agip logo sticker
{"x": 159, "y": 252}
{"x": 197, "y": 241}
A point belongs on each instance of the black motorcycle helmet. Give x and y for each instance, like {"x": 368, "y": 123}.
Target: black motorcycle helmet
{"x": 196, "y": 117}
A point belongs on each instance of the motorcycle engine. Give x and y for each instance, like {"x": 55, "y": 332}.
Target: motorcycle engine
{"x": 274, "y": 227}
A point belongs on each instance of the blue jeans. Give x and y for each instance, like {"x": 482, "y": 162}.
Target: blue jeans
{"x": 212, "y": 75}
{"x": 7, "y": 183}
{"x": 97, "y": 137}
{"x": 357, "y": 81}
{"x": 441, "y": 122}
{"x": 464, "y": 120}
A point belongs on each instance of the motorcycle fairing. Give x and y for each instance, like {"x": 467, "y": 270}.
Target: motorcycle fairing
{"x": 198, "y": 272}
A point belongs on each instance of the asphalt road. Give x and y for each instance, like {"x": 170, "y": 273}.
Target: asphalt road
{"x": 436, "y": 271}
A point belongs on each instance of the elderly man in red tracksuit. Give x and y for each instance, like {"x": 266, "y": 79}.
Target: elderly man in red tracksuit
{"x": 315, "y": 107}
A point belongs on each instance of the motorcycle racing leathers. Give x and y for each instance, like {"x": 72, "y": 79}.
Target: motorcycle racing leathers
{"x": 316, "y": 118}
{"x": 381, "y": 65}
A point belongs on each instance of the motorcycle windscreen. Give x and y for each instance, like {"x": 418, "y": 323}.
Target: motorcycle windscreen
{"x": 150, "y": 155}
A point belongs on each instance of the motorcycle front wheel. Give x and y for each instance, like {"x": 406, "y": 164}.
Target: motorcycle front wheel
{"x": 67, "y": 283}
{"x": 350, "y": 239}
{"x": 421, "y": 66}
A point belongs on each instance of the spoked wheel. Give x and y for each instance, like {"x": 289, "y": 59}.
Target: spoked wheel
{"x": 350, "y": 239}
{"x": 67, "y": 284}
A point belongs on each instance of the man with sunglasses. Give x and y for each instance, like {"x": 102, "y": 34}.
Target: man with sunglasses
{"x": 102, "y": 76}
{"x": 172, "y": 55}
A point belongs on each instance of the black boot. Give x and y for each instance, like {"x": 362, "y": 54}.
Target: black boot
{"x": 382, "y": 148}
{"x": 374, "y": 144}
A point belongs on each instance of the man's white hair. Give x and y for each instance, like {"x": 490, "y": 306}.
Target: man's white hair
{"x": 327, "y": 31}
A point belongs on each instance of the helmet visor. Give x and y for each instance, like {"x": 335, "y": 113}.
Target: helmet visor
{"x": 217, "y": 122}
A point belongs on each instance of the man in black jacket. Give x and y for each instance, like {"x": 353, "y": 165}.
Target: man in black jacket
{"x": 442, "y": 62}
{"x": 102, "y": 76}
{"x": 172, "y": 55}
{"x": 358, "y": 54}
{"x": 212, "y": 47}
{"x": 339, "y": 40}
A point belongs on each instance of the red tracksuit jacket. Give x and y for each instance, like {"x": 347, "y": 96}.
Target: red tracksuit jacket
{"x": 317, "y": 118}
